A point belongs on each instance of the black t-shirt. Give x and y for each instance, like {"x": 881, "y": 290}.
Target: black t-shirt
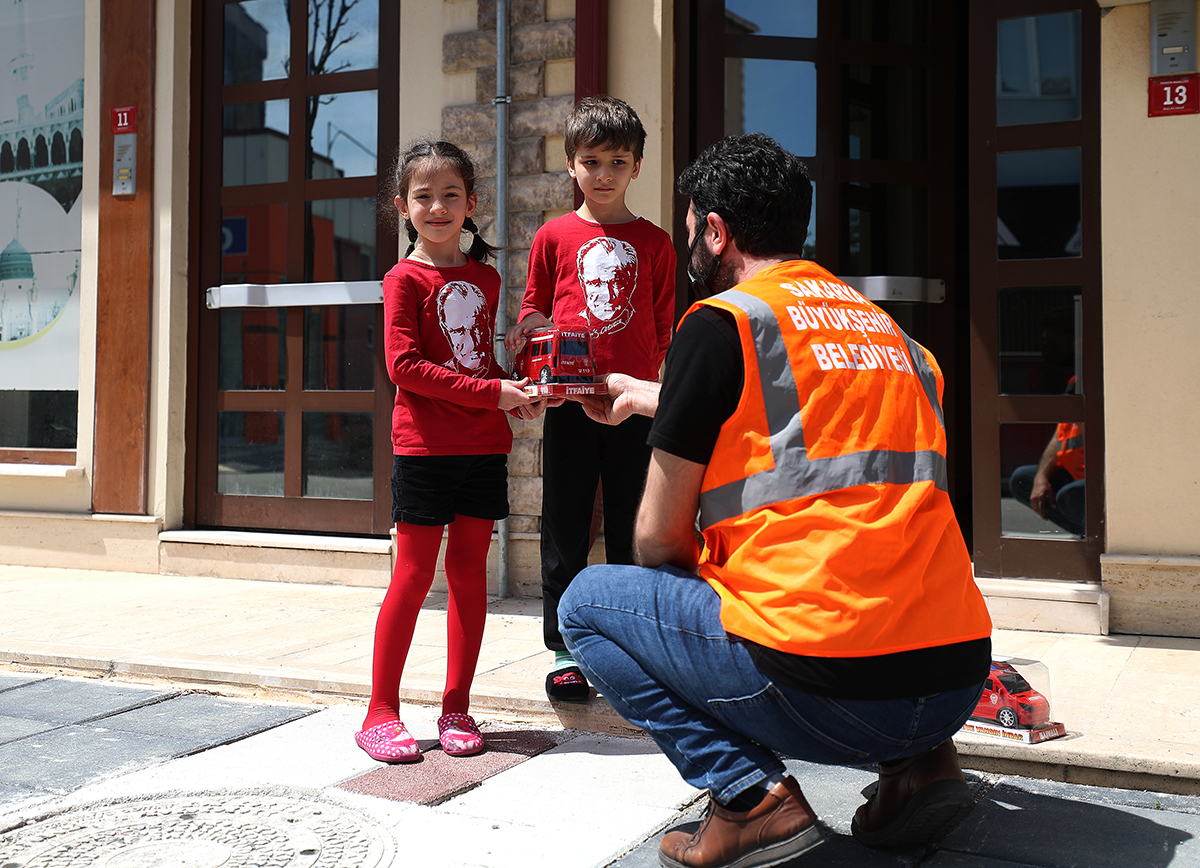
{"x": 702, "y": 384}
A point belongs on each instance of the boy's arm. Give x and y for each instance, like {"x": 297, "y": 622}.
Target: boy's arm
{"x": 515, "y": 336}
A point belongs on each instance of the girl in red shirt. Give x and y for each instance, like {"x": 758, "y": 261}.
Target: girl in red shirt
{"x": 449, "y": 437}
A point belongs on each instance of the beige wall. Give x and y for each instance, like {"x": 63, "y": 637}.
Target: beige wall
{"x": 641, "y": 71}
{"x": 422, "y": 83}
{"x": 1150, "y": 189}
{"x": 1151, "y": 236}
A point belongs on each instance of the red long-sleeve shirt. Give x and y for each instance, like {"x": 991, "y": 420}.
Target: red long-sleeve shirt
{"x": 615, "y": 279}
{"x": 439, "y": 326}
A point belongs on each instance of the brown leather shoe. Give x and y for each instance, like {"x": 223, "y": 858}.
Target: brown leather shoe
{"x": 783, "y": 825}
{"x": 918, "y": 801}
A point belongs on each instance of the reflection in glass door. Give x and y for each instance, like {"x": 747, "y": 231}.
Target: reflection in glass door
{"x": 294, "y": 407}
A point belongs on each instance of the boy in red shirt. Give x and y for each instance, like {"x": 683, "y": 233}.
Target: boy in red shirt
{"x": 607, "y": 270}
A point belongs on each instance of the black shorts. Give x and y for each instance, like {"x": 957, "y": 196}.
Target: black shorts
{"x": 433, "y": 489}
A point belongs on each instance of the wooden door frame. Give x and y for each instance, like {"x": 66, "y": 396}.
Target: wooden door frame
{"x": 995, "y": 555}
{"x": 207, "y": 200}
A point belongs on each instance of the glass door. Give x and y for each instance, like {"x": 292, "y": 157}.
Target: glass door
{"x": 298, "y": 117}
{"x": 1035, "y": 289}
{"x": 868, "y": 93}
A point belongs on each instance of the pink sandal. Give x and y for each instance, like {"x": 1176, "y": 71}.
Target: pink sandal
{"x": 389, "y": 743}
{"x": 459, "y": 735}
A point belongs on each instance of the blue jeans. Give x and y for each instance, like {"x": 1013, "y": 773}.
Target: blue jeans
{"x": 651, "y": 641}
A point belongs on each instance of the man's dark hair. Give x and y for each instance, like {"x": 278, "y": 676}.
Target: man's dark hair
{"x": 604, "y": 121}
{"x": 761, "y": 191}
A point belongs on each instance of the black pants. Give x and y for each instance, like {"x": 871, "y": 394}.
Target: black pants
{"x": 576, "y": 454}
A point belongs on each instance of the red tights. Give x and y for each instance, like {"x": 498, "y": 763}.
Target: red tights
{"x": 466, "y": 575}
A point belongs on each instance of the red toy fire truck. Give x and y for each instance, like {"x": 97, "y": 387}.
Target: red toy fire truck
{"x": 559, "y": 362}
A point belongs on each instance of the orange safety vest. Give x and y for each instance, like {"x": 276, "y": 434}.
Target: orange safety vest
{"x": 828, "y": 529}
{"x": 1070, "y": 448}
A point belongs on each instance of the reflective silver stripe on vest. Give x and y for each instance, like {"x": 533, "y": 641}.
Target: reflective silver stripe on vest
{"x": 1070, "y": 443}
{"x": 925, "y": 373}
{"x": 794, "y": 475}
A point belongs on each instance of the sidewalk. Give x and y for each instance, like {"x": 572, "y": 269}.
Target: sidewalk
{"x": 1127, "y": 701}
{"x": 301, "y": 794}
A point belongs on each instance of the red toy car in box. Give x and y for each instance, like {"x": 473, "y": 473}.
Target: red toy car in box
{"x": 1010, "y": 700}
{"x": 559, "y": 361}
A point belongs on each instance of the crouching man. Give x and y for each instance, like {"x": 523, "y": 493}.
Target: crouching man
{"x": 829, "y": 613}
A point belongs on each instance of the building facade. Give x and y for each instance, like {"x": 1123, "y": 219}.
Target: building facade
{"x": 190, "y": 380}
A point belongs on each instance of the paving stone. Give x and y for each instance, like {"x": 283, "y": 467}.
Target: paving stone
{"x": 469, "y": 123}
{"x": 525, "y": 458}
{"x": 204, "y": 721}
{"x": 13, "y": 728}
{"x": 39, "y": 753}
{"x": 438, "y": 776}
{"x": 548, "y": 40}
{"x": 10, "y": 680}
{"x": 539, "y": 117}
{"x": 11, "y": 795}
{"x": 525, "y": 157}
{"x": 541, "y": 192}
{"x": 519, "y": 12}
{"x": 522, "y": 226}
{"x": 66, "y": 758}
{"x": 524, "y": 523}
{"x": 524, "y": 82}
{"x": 517, "y": 270}
{"x": 525, "y": 495}
{"x": 1033, "y": 825}
{"x": 469, "y": 50}
{"x": 527, "y": 428}
{"x": 65, "y": 700}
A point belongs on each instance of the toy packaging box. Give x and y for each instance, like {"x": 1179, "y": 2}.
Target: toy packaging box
{"x": 1015, "y": 704}
{"x": 541, "y": 390}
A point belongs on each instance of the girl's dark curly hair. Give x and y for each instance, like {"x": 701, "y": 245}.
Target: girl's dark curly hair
{"x": 426, "y": 155}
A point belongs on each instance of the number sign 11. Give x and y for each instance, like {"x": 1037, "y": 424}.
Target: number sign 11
{"x": 124, "y": 119}
{"x": 1175, "y": 95}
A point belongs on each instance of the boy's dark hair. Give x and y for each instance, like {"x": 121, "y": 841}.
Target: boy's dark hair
{"x": 427, "y": 154}
{"x": 761, "y": 191}
{"x": 604, "y": 121}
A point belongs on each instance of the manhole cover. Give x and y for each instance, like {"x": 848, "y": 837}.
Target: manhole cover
{"x": 209, "y": 831}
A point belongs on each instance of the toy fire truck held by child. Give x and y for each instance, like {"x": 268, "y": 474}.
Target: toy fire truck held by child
{"x": 559, "y": 362}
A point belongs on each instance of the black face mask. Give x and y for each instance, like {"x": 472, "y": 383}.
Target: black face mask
{"x": 700, "y": 285}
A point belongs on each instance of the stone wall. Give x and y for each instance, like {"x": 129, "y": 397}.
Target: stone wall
{"x": 541, "y": 75}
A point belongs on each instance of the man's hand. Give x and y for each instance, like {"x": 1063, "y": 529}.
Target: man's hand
{"x": 1041, "y": 496}
{"x": 514, "y": 338}
{"x": 626, "y": 396}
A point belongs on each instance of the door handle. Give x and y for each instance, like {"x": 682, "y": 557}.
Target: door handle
{"x": 888, "y": 287}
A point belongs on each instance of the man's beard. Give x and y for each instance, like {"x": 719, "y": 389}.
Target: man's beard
{"x": 712, "y": 275}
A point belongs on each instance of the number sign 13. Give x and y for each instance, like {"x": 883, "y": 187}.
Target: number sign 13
{"x": 1174, "y": 95}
